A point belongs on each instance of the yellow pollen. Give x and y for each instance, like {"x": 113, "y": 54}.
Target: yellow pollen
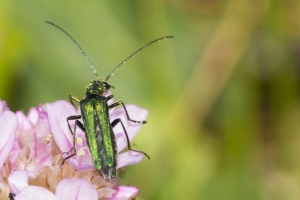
{"x": 78, "y": 140}
{"x": 48, "y": 137}
{"x": 81, "y": 152}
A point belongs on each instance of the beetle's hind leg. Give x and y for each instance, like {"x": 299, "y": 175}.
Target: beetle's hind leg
{"x": 80, "y": 125}
{"x": 120, "y": 103}
{"x": 114, "y": 123}
{"x": 11, "y": 196}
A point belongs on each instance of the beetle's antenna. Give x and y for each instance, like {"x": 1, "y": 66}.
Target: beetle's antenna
{"x": 124, "y": 61}
{"x": 85, "y": 56}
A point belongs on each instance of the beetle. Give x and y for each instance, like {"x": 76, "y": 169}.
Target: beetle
{"x": 96, "y": 124}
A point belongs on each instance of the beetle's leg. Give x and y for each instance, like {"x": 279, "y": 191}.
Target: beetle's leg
{"x": 114, "y": 123}
{"x": 74, "y": 117}
{"x": 72, "y": 98}
{"x": 120, "y": 103}
{"x": 80, "y": 125}
{"x": 109, "y": 97}
{"x": 11, "y": 196}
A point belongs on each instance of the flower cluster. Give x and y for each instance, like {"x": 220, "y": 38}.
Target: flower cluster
{"x": 31, "y": 155}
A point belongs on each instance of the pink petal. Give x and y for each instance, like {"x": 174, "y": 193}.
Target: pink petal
{"x": 42, "y": 129}
{"x": 58, "y": 113}
{"x": 42, "y": 113}
{"x": 124, "y": 192}
{"x": 3, "y": 106}
{"x": 32, "y": 140}
{"x": 18, "y": 180}
{"x": 14, "y": 152}
{"x": 24, "y": 123}
{"x": 129, "y": 158}
{"x": 76, "y": 188}
{"x": 135, "y": 113}
{"x": 33, "y": 115}
{"x": 42, "y": 150}
{"x": 35, "y": 193}
{"x": 8, "y": 127}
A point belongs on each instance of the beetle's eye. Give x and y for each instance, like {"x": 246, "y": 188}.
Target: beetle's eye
{"x": 106, "y": 85}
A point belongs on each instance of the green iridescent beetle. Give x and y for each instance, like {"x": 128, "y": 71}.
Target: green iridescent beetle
{"x": 96, "y": 124}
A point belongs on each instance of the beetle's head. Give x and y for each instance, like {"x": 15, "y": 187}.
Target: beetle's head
{"x": 97, "y": 87}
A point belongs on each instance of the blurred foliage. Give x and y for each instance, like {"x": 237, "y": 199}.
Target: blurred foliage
{"x": 223, "y": 95}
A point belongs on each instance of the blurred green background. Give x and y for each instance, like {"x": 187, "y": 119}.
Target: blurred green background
{"x": 223, "y": 95}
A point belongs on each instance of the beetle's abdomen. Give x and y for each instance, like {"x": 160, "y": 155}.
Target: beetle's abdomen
{"x": 99, "y": 135}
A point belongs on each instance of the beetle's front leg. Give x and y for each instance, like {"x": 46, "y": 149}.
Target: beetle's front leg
{"x": 120, "y": 103}
{"x": 72, "y": 98}
{"x": 80, "y": 125}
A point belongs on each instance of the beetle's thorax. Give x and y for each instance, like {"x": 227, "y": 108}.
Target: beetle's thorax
{"x": 97, "y": 87}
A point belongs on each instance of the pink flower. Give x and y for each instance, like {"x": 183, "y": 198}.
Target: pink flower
{"x": 30, "y": 155}
{"x": 124, "y": 192}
